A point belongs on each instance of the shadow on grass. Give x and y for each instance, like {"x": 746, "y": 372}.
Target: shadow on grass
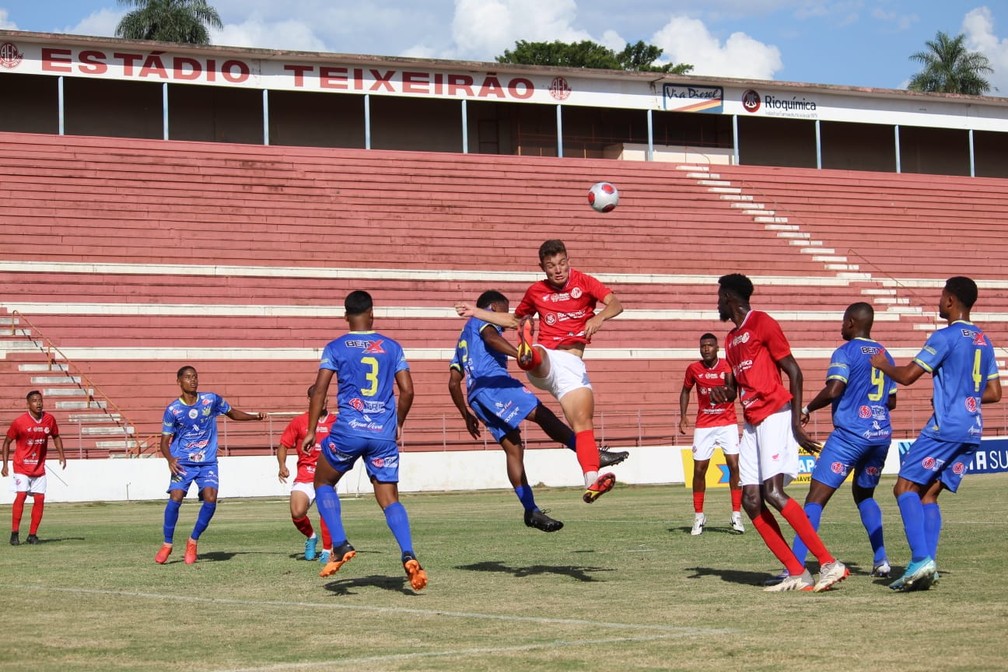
{"x": 686, "y": 529}
{"x": 53, "y": 540}
{"x": 730, "y": 575}
{"x": 216, "y": 556}
{"x": 578, "y": 573}
{"x": 345, "y": 586}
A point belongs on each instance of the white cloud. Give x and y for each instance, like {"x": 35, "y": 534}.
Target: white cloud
{"x": 256, "y": 32}
{"x": 483, "y": 29}
{"x": 5, "y": 24}
{"x": 686, "y": 40}
{"x": 978, "y": 26}
{"x": 101, "y": 23}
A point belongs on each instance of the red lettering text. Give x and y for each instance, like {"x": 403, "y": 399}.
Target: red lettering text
{"x": 56, "y": 60}
{"x": 492, "y": 87}
{"x": 299, "y": 73}
{"x": 128, "y": 60}
{"x": 228, "y": 71}
{"x": 415, "y": 82}
{"x": 461, "y": 83}
{"x": 154, "y": 66}
{"x": 332, "y": 78}
{"x": 521, "y": 88}
{"x": 93, "y": 63}
{"x": 181, "y": 63}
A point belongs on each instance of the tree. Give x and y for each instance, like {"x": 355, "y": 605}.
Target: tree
{"x": 950, "y": 68}
{"x": 185, "y": 21}
{"x": 588, "y": 54}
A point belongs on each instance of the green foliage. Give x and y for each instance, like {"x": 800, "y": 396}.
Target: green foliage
{"x": 950, "y": 68}
{"x": 183, "y": 21}
{"x": 587, "y": 54}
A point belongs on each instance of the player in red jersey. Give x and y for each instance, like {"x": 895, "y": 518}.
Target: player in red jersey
{"x": 30, "y": 434}
{"x": 716, "y": 427}
{"x": 302, "y": 494}
{"x": 565, "y": 303}
{"x": 758, "y": 351}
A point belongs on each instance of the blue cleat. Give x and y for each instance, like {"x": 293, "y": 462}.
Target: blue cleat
{"x": 918, "y": 576}
{"x": 310, "y": 546}
{"x": 324, "y": 556}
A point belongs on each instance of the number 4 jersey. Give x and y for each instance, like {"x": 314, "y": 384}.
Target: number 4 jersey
{"x": 366, "y": 364}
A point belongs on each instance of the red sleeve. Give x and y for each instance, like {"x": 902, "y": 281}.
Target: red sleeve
{"x": 773, "y": 337}
{"x": 689, "y": 380}
{"x": 527, "y": 306}
{"x": 54, "y": 430}
{"x": 595, "y": 287}
{"x": 289, "y": 437}
{"x": 12, "y": 431}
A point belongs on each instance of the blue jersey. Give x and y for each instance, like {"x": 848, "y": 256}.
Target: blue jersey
{"x": 366, "y": 364}
{"x": 862, "y": 411}
{"x": 194, "y": 428}
{"x": 483, "y": 367}
{"x": 961, "y": 360}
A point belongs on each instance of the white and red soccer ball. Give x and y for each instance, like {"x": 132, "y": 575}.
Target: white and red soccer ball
{"x": 603, "y": 196}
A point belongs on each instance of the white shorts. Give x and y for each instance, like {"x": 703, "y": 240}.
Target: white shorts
{"x": 35, "y": 485}
{"x": 768, "y": 449}
{"x": 706, "y": 439}
{"x": 567, "y": 373}
{"x": 306, "y": 488}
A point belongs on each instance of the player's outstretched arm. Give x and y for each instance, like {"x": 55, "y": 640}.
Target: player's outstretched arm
{"x": 903, "y": 375}
{"x": 506, "y": 320}
{"x": 242, "y": 416}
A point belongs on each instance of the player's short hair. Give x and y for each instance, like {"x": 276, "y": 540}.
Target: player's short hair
{"x": 962, "y": 288}
{"x": 551, "y": 248}
{"x": 31, "y": 394}
{"x": 737, "y": 284}
{"x": 490, "y": 297}
{"x": 358, "y": 302}
{"x": 861, "y": 310}
{"x": 708, "y": 337}
{"x": 181, "y": 372}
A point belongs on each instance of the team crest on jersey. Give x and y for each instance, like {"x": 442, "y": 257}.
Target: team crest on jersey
{"x": 357, "y": 405}
{"x": 958, "y": 468}
{"x": 979, "y": 340}
{"x": 872, "y": 471}
{"x": 971, "y": 404}
{"x": 551, "y": 318}
{"x": 576, "y": 293}
{"x": 374, "y": 348}
{"x": 838, "y": 468}
{"x": 864, "y": 412}
{"x": 206, "y": 412}
{"x": 193, "y": 414}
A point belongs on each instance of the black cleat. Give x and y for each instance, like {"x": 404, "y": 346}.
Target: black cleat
{"x": 14, "y": 539}
{"x": 539, "y": 520}
{"x": 608, "y": 458}
{"x": 32, "y": 539}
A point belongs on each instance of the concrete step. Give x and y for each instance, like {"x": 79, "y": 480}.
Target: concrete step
{"x": 32, "y": 367}
{"x": 80, "y": 405}
{"x": 96, "y": 417}
{"x": 56, "y": 380}
{"x": 67, "y": 392}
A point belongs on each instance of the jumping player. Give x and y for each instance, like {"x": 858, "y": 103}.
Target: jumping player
{"x": 960, "y": 359}
{"x": 716, "y": 427}
{"x": 757, "y": 351}
{"x": 189, "y": 444}
{"x": 302, "y": 494}
{"x": 501, "y": 403}
{"x": 368, "y": 366}
{"x": 565, "y": 303}
{"x": 30, "y": 434}
{"x": 861, "y": 397}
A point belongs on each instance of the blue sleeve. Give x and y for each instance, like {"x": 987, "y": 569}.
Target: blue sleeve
{"x": 221, "y": 407}
{"x": 401, "y": 363}
{"x": 891, "y": 388}
{"x": 839, "y": 369}
{"x": 329, "y": 357}
{"x": 935, "y": 350}
{"x": 168, "y": 421}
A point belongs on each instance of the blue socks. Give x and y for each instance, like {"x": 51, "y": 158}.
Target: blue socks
{"x": 398, "y": 522}
{"x": 932, "y": 527}
{"x": 524, "y": 493}
{"x": 171, "y": 512}
{"x": 871, "y": 518}
{"x": 814, "y": 513}
{"x": 329, "y": 508}
{"x": 912, "y": 510}
{"x": 203, "y": 519}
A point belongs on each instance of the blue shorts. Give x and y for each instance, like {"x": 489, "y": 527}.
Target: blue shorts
{"x": 381, "y": 456}
{"x": 503, "y": 408}
{"x": 929, "y": 460}
{"x": 840, "y": 456}
{"x": 205, "y": 476}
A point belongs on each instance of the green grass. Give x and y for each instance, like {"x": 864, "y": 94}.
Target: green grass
{"x": 623, "y": 586}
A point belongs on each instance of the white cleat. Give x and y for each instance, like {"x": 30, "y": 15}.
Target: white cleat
{"x": 831, "y": 574}
{"x": 881, "y": 569}
{"x": 698, "y": 524}
{"x": 802, "y": 582}
{"x": 736, "y": 522}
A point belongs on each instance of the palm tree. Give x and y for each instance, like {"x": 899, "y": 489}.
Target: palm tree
{"x": 185, "y": 21}
{"x": 950, "y": 68}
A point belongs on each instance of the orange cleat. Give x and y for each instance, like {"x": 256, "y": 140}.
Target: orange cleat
{"x": 417, "y": 575}
{"x": 602, "y": 485}
{"x": 341, "y": 555}
{"x": 163, "y": 553}
{"x": 190, "y": 552}
{"x": 525, "y": 344}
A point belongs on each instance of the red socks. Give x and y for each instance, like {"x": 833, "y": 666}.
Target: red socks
{"x": 768, "y": 528}
{"x": 38, "y": 505}
{"x": 698, "y": 500}
{"x": 326, "y": 537}
{"x": 736, "y": 500}
{"x": 303, "y": 525}
{"x": 796, "y": 518}
{"x": 532, "y": 363}
{"x": 17, "y": 510}
{"x": 587, "y": 453}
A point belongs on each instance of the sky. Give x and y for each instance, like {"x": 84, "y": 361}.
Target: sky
{"x": 861, "y": 43}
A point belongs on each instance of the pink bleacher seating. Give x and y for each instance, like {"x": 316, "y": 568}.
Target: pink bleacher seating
{"x": 291, "y": 217}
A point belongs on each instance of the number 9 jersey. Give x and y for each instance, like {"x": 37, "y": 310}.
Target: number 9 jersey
{"x": 366, "y": 364}
{"x": 862, "y": 411}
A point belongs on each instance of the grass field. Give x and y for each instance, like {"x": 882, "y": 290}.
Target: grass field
{"x": 623, "y": 586}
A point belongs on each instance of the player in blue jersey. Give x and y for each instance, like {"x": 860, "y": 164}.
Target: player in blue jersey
{"x": 861, "y": 397}
{"x": 369, "y": 367}
{"x": 960, "y": 359}
{"x": 189, "y": 443}
{"x": 501, "y": 403}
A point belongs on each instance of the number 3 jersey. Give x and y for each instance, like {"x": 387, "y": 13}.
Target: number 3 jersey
{"x": 862, "y": 411}
{"x": 366, "y": 364}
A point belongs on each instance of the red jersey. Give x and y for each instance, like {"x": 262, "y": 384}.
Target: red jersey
{"x": 295, "y": 433}
{"x": 710, "y": 414}
{"x": 753, "y": 350}
{"x": 31, "y": 442}
{"x": 563, "y": 312}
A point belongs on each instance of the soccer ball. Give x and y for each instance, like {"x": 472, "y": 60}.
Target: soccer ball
{"x": 603, "y": 196}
